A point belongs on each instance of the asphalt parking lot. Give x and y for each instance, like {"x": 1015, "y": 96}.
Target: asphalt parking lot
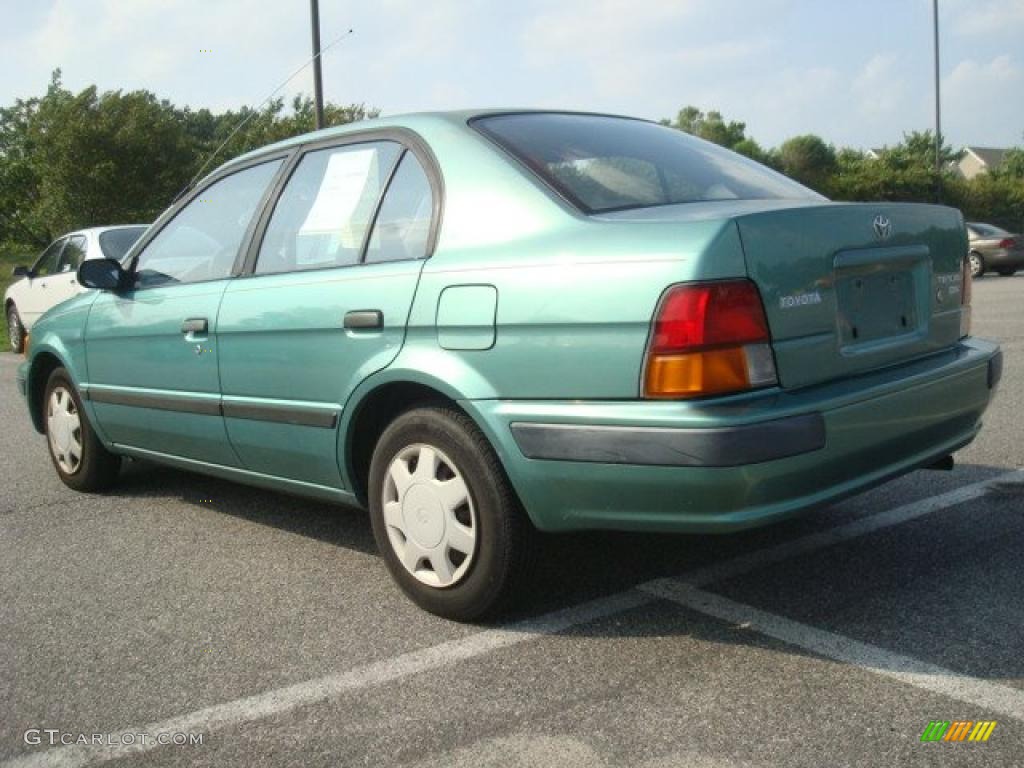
{"x": 268, "y": 624}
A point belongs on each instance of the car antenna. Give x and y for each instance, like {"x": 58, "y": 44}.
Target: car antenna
{"x": 255, "y": 112}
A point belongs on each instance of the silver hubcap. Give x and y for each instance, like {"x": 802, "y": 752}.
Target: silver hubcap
{"x": 13, "y": 331}
{"x": 975, "y": 265}
{"x": 64, "y": 430}
{"x": 429, "y": 516}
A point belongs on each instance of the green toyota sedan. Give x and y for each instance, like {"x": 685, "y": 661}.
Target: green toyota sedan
{"x": 481, "y": 325}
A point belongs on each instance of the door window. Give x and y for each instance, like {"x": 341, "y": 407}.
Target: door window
{"x": 325, "y": 210}
{"x": 47, "y": 263}
{"x": 201, "y": 242}
{"x": 73, "y": 254}
{"x": 403, "y": 224}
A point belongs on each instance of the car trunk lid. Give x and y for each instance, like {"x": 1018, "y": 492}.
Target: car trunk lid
{"x": 849, "y": 288}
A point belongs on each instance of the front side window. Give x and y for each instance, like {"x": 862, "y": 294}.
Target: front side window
{"x": 201, "y": 242}
{"x": 603, "y": 164}
{"x": 47, "y": 263}
{"x": 115, "y": 242}
{"x": 73, "y": 254}
{"x": 326, "y": 208}
{"x": 403, "y": 223}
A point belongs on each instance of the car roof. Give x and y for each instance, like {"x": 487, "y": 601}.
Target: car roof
{"x": 414, "y": 121}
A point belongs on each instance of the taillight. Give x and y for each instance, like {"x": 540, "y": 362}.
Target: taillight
{"x": 1008, "y": 243}
{"x": 709, "y": 339}
{"x": 965, "y": 297}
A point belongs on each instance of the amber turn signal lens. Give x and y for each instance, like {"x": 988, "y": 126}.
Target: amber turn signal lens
{"x": 697, "y": 373}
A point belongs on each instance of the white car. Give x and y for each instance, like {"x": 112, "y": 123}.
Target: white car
{"x": 52, "y": 279}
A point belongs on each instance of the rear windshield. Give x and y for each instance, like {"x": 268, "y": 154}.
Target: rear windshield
{"x": 115, "y": 242}
{"x": 987, "y": 230}
{"x": 605, "y": 164}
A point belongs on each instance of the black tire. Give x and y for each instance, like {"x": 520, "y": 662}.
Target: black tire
{"x": 1007, "y": 271}
{"x": 977, "y": 264}
{"x": 97, "y": 468}
{"x": 504, "y": 536}
{"x": 15, "y": 330}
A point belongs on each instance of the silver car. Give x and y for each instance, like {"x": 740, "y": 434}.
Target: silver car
{"x": 52, "y": 278}
{"x": 994, "y": 249}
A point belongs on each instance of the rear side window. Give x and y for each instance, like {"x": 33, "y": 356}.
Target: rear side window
{"x": 604, "y": 164}
{"x": 201, "y": 242}
{"x": 324, "y": 213}
{"x": 403, "y": 223}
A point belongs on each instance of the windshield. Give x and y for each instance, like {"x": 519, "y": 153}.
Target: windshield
{"x": 604, "y": 163}
{"x": 115, "y": 242}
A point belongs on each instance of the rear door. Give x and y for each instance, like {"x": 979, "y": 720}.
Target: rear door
{"x": 151, "y": 351}
{"x": 334, "y": 272}
{"x": 852, "y": 287}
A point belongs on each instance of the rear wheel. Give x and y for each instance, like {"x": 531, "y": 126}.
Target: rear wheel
{"x": 15, "y": 330}
{"x": 977, "y": 264}
{"x": 78, "y": 456}
{"x": 444, "y": 516}
{"x": 1007, "y": 271}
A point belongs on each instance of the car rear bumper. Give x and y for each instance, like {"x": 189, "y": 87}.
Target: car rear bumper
{"x": 703, "y": 467}
{"x": 1004, "y": 257}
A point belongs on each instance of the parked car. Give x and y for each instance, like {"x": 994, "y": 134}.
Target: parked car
{"x": 994, "y": 249}
{"x": 52, "y": 279}
{"x": 478, "y": 325}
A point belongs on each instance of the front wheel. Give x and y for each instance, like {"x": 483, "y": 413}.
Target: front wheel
{"x": 78, "y": 456}
{"x": 977, "y": 264}
{"x": 444, "y": 516}
{"x": 15, "y": 330}
{"x": 1007, "y": 271}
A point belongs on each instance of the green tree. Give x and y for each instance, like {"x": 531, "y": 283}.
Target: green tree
{"x": 1013, "y": 164}
{"x": 74, "y": 160}
{"x": 809, "y": 160}
{"x": 710, "y": 126}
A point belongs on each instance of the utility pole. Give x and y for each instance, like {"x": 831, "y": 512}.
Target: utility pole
{"x": 938, "y": 107}
{"x": 318, "y": 84}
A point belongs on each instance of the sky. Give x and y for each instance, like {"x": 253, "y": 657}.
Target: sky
{"x": 856, "y": 72}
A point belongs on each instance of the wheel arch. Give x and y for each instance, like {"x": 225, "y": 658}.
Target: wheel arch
{"x": 377, "y": 402}
{"x": 44, "y": 363}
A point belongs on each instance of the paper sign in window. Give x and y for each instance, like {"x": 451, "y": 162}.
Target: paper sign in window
{"x": 342, "y": 205}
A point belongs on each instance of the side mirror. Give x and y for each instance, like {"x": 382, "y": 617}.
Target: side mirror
{"x": 104, "y": 274}
{"x": 21, "y": 271}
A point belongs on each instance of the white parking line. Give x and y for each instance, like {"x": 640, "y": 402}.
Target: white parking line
{"x": 738, "y": 566}
{"x": 991, "y": 697}
{"x": 283, "y": 700}
{"x": 292, "y": 697}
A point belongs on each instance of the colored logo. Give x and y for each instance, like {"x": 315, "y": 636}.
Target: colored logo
{"x": 958, "y": 730}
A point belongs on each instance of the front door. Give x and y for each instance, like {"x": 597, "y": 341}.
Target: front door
{"x": 34, "y": 299}
{"x": 151, "y": 350}
{"x": 64, "y": 284}
{"x": 325, "y": 307}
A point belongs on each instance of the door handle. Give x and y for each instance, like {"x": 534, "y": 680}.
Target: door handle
{"x": 364, "y": 320}
{"x": 195, "y": 325}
